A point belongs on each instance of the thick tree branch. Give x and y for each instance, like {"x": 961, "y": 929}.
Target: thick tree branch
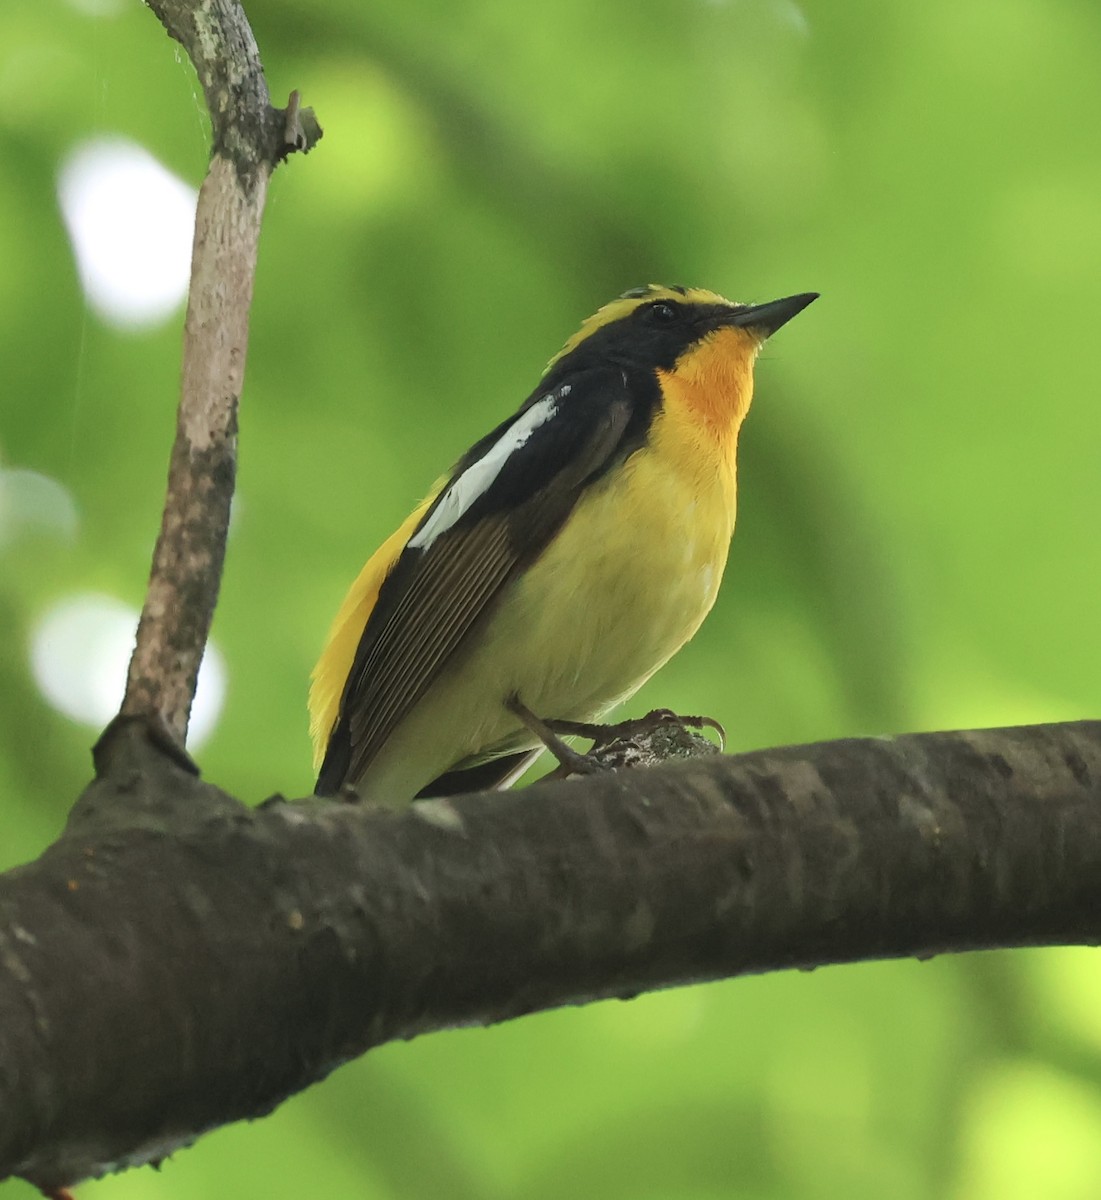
{"x": 177, "y": 960}
{"x": 249, "y": 138}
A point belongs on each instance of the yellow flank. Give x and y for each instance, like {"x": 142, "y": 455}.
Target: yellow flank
{"x": 331, "y": 672}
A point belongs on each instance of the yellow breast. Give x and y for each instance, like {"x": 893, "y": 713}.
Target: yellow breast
{"x": 609, "y": 604}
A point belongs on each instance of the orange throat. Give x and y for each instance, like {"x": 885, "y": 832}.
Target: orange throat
{"x": 708, "y": 392}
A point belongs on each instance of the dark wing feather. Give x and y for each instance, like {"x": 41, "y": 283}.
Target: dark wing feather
{"x": 439, "y": 594}
{"x": 495, "y": 775}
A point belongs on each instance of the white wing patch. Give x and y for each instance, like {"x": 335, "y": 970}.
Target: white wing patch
{"x": 477, "y": 479}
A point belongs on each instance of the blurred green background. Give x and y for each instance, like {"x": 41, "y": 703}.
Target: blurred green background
{"x": 918, "y": 529}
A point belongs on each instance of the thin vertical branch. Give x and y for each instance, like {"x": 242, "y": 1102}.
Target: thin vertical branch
{"x": 249, "y": 139}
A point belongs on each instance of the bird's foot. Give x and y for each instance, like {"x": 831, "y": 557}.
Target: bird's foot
{"x": 659, "y": 719}
{"x": 642, "y": 741}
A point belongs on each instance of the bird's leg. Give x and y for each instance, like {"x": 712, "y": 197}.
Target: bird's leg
{"x": 571, "y": 761}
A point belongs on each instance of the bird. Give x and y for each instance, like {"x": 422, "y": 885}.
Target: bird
{"x": 568, "y": 555}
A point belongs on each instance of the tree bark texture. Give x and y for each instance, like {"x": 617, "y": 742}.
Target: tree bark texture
{"x": 178, "y": 960}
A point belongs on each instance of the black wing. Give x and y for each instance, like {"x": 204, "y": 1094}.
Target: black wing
{"x": 495, "y": 775}
{"x": 495, "y": 517}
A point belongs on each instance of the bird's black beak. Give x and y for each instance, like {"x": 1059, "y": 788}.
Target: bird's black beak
{"x": 767, "y": 318}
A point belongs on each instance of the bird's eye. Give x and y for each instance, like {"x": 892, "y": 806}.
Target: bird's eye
{"x": 661, "y": 312}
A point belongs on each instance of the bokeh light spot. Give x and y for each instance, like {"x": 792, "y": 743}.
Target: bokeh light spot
{"x": 99, "y": 8}
{"x": 80, "y": 650}
{"x": 33, "y": 503}
{"x": 1029, "y": 1130}
{"x": 130, "y": 221}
